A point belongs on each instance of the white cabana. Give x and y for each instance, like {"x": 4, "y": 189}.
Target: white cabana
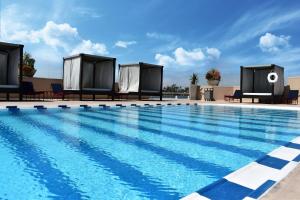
{"x": 262, "y": 81}
{"x": 141, "y": 79}
{"x": 89, "y": 74}
{"x": 11, "y": 62}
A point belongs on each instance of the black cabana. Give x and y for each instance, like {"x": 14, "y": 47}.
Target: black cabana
{"x": 262, "y": 81}
{"x": 141, "y": 79}
{"x": 11, "y": 62}
{"x": 86, "y": 74}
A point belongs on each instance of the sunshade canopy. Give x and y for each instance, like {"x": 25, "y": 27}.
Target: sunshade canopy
{"x": 254, "y": 79}
{"x": 141, "y": 77}
{"x": 89, "y": 72}
{"x": 11, "y": 56}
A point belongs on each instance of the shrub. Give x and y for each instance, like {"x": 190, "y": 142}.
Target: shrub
{"x": 213, "y": 74}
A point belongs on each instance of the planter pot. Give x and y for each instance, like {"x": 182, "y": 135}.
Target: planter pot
{"x": 28, "y": 71}
{"x": 213, "y": 82}
{"x": 194, "y": 92}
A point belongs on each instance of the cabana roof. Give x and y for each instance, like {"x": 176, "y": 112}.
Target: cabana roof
{"x": 11, "y": 62}
{"x": 10, "y": 46}
{"x": 89, "y": 57}
{"x": 87, "y": 73}
{"x": 266, "y": 66}
{"x": 141, "y": 78}
{"x": 257, "y": 81}
{"x": 142, "y": 65}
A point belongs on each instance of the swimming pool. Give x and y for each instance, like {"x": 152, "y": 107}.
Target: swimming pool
{"x": 160, "y": 152}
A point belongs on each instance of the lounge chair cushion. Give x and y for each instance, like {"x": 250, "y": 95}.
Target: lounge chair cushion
{"x": 150, "y": 91}
{"x": 257, "y": 94}
{"x": 96, "y": 89}
{"x": 9, "y": 86}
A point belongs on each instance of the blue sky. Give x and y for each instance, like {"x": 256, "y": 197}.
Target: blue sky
{"x": 184, "y": 36}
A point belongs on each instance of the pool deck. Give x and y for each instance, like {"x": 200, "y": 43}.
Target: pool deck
{"x": 55, "y": 103}
{"x": 288, "y": 188}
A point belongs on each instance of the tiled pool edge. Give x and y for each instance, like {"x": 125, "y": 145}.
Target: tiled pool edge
{"x": 69, "y": 104}
{"x": 255, "y": 179}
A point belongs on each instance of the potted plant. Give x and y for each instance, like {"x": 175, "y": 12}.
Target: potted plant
{"x": 194, "y": 90}
{"x": 28, "y": 65}
{"x": 213, "y": 77}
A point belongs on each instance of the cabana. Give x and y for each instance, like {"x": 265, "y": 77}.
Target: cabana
{"x": 11, "y": 62}
{"x": 141, "y": 79}
{"x": 265, "y": 82}
{"x": 89, "y": 75}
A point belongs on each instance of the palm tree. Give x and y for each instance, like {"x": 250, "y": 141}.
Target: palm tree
{"x": 194, "y": 79}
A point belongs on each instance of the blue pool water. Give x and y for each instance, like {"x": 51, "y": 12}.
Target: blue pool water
{"x": 163, "y": 152}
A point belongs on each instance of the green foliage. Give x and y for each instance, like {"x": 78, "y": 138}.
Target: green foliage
{"x": 28, "y": 60}
{"x": 175, "y": 88}
{"x": 194, "y": 79}
{"x": 213, "y": 74}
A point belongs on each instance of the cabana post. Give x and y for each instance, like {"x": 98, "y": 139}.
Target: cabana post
{"x": 86, "y": 74}
{"x": 263, "y": 82}
{"x": 141, "y": 79}
{"x": 11, "y": 64}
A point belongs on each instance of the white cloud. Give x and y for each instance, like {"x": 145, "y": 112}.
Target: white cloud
{"x": 86, "y": 46}
{"x": 124, "y": 44}
{"x": 10, "y": 22}
{"x": 56, "y": 36}
{"x": 214, "y": 53}
{"x": 259, "y": 21}
{"x": 52, "y": 34}
{"x": 183, "y": 57}
{"x": 272, "y": 43}
{"x": 164, "y": 60}
{"x": 160, "y": 36}
{"x": 60, "y": 36}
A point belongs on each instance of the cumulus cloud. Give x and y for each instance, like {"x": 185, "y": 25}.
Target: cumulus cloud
{"x": 124, "y": 44}
{"x": 214, "y": 53}
{"x": 47, "y": 42}
{"x": 51, "y": 34}
{"x": 164, "y": 60}
{"x": 58, "y": 36}
{"x": 183, "y": 57}
{"x": 272, "y": 43}
{"x": 86, "y": 46}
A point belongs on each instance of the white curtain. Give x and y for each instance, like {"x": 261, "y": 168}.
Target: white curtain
{"x": 3, "y": 68}
{"x": 123, "y": 79}
{"x": 72, "y": 74}
{"x": 75, "y": 77}
{"x": 67, "y": 74}
{"x": 129, "y": 78}
{"x": 87, "y": 74}
{"x": 133, "y": 78}
{"x": 104, "y": 75}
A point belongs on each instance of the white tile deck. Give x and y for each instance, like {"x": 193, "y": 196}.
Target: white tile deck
{"x": 252, "y": 176}
{"x": 285, "y": 153}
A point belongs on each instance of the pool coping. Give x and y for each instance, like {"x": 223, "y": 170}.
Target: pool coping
{"x": 250, "y": 182}
{"x": 256, "y": 179}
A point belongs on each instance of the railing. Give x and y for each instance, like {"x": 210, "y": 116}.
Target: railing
{"x": 176, "y": 95}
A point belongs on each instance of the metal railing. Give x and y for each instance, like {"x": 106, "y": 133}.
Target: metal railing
{"x": 176, "y": 95}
